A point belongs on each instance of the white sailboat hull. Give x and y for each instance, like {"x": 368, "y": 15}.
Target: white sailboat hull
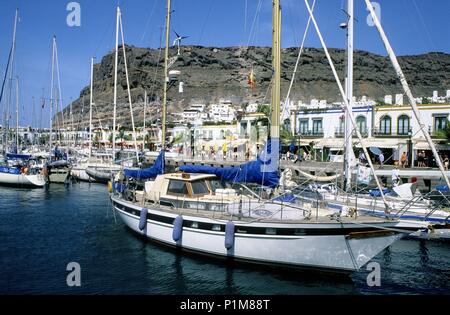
{"x": 22, "y": 180}
{"x": 79, "y": 171}
{"x": 80, "y": 174}
{"x": 59, "y": 176}
{"x": 328, "y": 252}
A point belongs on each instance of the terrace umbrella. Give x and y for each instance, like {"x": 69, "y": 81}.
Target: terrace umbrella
{"x": 375, "y": 150}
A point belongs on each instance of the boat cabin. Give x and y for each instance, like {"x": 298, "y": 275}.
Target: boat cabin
{"x": 184, "y": 190}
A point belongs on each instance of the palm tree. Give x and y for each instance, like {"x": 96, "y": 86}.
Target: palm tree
{"x": 447, "y": 131}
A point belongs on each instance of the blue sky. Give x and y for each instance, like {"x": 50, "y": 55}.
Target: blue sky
{"x": 413, "y": 26}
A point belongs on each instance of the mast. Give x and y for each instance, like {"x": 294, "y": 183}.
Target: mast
{"x": 17, "y": 114}
{"x": 406, "y": 89}
{"x": 145, "y": 112}
{"x": 115, "y": 86}
{"x": 11, "y": 73}
{"x": 51, "y": 93}
{"x": 276, "y": 65}
{"x": 166, "y": 76}
{"x": 349, "y": 90}
{"x": 128, "y": 88}
{"x": 346, "y": 106}
{"x": 90, "y": 107}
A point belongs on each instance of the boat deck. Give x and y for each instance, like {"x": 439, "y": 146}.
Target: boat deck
{"x": 319, "y": 216}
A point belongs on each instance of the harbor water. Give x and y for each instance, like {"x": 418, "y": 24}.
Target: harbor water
{"x": 43, "y": 230}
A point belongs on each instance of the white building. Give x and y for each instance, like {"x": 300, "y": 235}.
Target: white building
{"x": 252, "y": 108}
{"x": 392, "y": 128}
{"x": 435, "y": 96}
{"x": 388, "y": 99}
{"x": 196, "y": 113}
{"x": 222, "y": 112}
{"x": 399, "y": 99}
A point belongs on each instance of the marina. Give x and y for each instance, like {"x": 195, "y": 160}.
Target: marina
{"x": 149, "y": 183}
{"x": 76, "y": 223}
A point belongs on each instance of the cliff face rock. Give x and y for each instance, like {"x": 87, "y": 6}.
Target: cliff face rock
{"x": 210, "y": 74}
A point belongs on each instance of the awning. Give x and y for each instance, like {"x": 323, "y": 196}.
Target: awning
{"x": 332, "y": 143}
{"x": 378, "y": 143}
{"x": 423, "y": 145}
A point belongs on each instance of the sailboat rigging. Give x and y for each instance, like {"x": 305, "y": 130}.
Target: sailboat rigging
{"x": 194, "y": 211}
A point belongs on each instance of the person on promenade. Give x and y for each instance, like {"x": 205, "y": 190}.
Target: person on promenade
{"x": 381, "y": 159}
{"x": 404, "y": 160}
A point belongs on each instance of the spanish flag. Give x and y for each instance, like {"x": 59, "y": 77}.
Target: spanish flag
{"x": 251, "y": 79}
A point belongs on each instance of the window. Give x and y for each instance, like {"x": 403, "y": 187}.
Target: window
{"x": 303, "y": 126}
{"x": 440, "y": 122}
{"x": 341, "y": 125}
{"x": 177, "y": 187}
{"x": 362, "y": 124}
{"x": 200, "y": 188}
{"x": 385, "y": 125}
{"x": 403, "y": 125}
{"x": 215, "y": 184}
{"x": 317, "y": 126}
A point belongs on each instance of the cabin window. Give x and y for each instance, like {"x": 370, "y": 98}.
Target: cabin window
{"x": 194, "y": 225}
{"x": 271, "y": 231}
{"x": 177, "y": 187}
{"x": 215, "y": 184}
{"x": 200, "y": 188}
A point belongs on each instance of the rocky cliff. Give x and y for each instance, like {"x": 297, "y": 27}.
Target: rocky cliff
{"x": 210, "y": 73}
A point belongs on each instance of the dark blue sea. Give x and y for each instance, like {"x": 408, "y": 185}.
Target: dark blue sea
{"x": 43, "y": 230}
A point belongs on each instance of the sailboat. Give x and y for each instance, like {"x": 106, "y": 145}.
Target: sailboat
{"x": 57, "y": 169}
{"x": 193, "y": 210}
{"x": 16, "y": 169}
{"x": 413, "y": 209}
{"x": 94, "y": 168}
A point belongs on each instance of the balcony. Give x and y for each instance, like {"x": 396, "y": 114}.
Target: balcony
{"x": 379, "y": 133}
{"x": 315, "y": 133}
{"x": 437, "y": 134}
{"x": 340, "y": 132}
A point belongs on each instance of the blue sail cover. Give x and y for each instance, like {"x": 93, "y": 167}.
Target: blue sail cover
{"x": 261, "y": 171}
{"x": 9, "y": 170}
{"x": 12, "y": 156}
{"x": 148, "y": 173}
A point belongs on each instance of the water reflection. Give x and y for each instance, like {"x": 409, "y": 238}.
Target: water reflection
{"x": 423, "y": 253}
{"x": 59, "y": 224}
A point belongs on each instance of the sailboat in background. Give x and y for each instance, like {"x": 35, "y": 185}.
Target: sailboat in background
{"x": 95, "y": 168}
{"x": 414, "y": 210}
{"x": 15, "y": 169}
{"x": 57, "y": 169}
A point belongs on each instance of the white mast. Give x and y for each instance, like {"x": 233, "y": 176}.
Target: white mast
{"x": 128, "y": 89}
{"x": 17, "y": 114}
{"x": 145, "y": 112}
{"x": 166, "y": 76}
{"x": 346, "y": 105}
{"x": 406, "y": 89}
{"x": 115, "y": 86}
{"x": 349, "y": 90}
{"x": 11, "y": 66}
{"x": 90, "y": 107}
{"x": 51, "y": 93}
